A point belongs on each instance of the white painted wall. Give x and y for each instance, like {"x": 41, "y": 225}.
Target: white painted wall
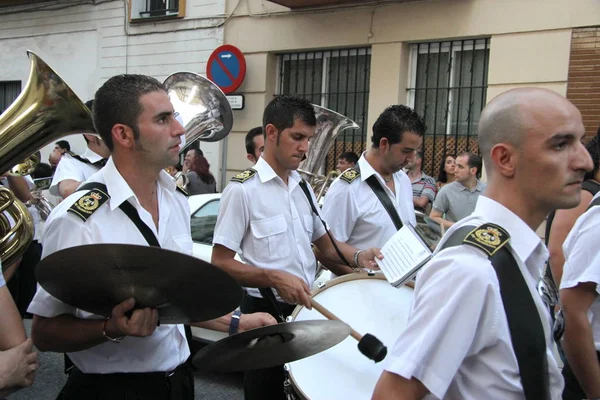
{"x": 87, "y": 44}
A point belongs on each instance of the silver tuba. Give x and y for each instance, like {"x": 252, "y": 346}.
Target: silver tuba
{"x": 201, "y": 106}
{"x": 329, "y": 125}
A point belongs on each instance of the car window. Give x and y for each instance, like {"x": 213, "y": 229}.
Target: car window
{"x": 203, "y": 222}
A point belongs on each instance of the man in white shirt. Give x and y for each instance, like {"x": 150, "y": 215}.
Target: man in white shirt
{"x": 266, "y": 216}
{"x": 18, "y": 361}
{"x": 581, "y": 307}
{"x": 149, "y": 361}
{"x": 72, "y": 169}
{"x": 353, "y": 212}
{"x": 457, "y": 344}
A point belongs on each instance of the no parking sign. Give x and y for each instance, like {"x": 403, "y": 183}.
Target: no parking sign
{"x": 226, "y": 67}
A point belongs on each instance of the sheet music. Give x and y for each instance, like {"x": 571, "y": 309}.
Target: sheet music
{"x": 403, "y": 254}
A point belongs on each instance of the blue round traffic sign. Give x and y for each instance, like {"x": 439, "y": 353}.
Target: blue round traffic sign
{"x": 226, "y": 67}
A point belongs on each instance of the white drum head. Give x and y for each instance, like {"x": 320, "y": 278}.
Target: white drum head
{"x": 343, "y": 372}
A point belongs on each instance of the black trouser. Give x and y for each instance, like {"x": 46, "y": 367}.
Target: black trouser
{"x": 573, "y": 390}
{"x": 175, "y": 385}
{"x": 23, "y": 285}
{"x": 264, "y": 384}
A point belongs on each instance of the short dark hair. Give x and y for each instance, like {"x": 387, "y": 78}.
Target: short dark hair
{"x": 442, "y": 174}
{"x": 473, "y": 161}
{"x": 394, "y": 121}
{"x": 252, "y": 133}
{"x": 118, "y": 102}
{"x": 284, "y": 110}
{"x": 199, "y": 153}
{"x": 349, "y": 156}
{"x": 593, "y": 147}
{"x": 42, "y": 170}
{"x": 63, "y": 144}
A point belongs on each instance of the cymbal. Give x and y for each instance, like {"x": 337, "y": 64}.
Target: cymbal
{"x": 270, "y": 346}
{"x": 95, "y": 278}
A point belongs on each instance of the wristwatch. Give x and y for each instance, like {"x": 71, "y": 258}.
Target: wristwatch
{"x": 235, "y": 322}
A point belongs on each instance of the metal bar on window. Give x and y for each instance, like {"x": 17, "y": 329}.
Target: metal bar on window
{"x": 437, "y": 92}
{"x": 471, "y": 102}
{"x": 460, "y": 71}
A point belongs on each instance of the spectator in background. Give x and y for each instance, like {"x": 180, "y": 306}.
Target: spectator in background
{"x": 457, "y": 200}
{"x": 345, "y": 161}
{"x": 255, "y": 144}
{"x": 447, "y": 171}
{"x": 60, "y": 148}
{"x": 200, "y": 180}
{"x": 423, "y": 186}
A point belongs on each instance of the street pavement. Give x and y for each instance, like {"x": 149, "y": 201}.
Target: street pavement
{"x": 50, "y": 379}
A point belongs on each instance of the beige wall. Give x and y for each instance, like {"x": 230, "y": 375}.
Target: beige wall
{"x": 530, "y": 43}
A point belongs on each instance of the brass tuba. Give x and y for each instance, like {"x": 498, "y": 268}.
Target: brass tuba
{"x": 201, "y": 106}
{"x": 46, "y": 109}
{"x": 329, "y": 125}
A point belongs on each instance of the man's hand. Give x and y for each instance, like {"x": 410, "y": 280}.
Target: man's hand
{"x": 292, "y": 289}
{"x": 141, "y": 323}
{"x": 17, "y": 367}
{"x": 255, "y": 320}
{"x": 366, "y": 258}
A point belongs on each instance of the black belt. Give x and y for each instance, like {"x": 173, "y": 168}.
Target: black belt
{"x": 77, "y": 373}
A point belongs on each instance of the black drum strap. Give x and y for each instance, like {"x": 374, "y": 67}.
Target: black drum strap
{"x": 524, "y": 323}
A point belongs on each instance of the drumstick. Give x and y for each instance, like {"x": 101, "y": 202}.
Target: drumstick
{"x": 368, "y": 344}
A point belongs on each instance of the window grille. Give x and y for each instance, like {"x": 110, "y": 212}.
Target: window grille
{"x": 336, "y": 79}
{"x": 156, "y": 8}
{"x": 448, "y": 87}
{"x": 9, "y": 91}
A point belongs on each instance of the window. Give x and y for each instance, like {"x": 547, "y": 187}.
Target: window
{"x": 9, "y": 91}
{"x": 151, "y": 9}
{"x": 336, "y": 79}
{"x": 203, "y": 222}
{"x": 448, "y": 87}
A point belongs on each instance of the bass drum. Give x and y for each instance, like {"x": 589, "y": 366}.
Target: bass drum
{"x": 369, "y": 304}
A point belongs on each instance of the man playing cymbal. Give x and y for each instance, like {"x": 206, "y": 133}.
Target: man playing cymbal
{"x": 125, "y": 356}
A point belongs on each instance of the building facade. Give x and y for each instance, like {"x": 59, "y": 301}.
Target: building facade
{"x": 446, "y": 58}
{"x": 88, "y": 43}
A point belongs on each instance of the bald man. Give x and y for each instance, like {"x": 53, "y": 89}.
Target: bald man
{"x": 458, "y": 342}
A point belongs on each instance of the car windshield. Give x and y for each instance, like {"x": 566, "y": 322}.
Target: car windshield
{"x": 203, "y": 222}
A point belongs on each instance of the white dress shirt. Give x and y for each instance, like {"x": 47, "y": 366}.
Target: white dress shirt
{"x": 270, "y": 224}
{"x": 355, "y": 215}
{"x": 457, "y": 342}
{"x": 71, "y": 168}
{"x": 167, "y": 347}
{"x": 582, "y": 261}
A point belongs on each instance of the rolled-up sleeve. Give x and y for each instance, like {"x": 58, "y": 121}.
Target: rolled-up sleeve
{"x": 446, "y": 317}
{"x": 234, "y": 217}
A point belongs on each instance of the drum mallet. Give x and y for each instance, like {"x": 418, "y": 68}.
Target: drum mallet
{"x": 368, "y": 344}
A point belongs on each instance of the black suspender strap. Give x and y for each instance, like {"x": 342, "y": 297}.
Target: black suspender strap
{"x": 524, "y": 323}
{"x": 130, "y": 211}
{"x": 304, "y": 187}
{"x": 379, "y": 191}
{"x": 594, "y": 203}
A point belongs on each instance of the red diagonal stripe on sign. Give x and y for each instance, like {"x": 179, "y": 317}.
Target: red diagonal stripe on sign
{"x": 218, "y": 60}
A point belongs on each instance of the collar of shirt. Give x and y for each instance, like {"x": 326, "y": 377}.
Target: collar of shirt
{"x": 91, "y": 156}
{"x": 266, "y": 173}
{"x": 366, "y": 170}
{"x": 478, "y": 187}
{"x": 523, "y": 240}
{"x": 120, "y": 191}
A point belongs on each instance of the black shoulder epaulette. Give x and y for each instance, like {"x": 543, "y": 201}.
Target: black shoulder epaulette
{"x": 488, "y": 237}
{"x": 90, "y": 202}
{"x": 350, "y": 174}
{"x": 182, "y": 190}
{"x": 79, "y": 158}
{"x": 244, "y": 175}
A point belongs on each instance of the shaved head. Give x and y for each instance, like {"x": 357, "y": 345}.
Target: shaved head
{"x": 509, "y": 116}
